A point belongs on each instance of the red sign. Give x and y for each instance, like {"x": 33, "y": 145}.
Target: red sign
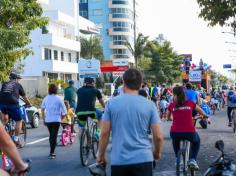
{"x": 114, "y": 68}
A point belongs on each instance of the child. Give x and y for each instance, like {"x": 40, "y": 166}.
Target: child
{"x": 163, "y": 108}
{"x": 69, "y": 118}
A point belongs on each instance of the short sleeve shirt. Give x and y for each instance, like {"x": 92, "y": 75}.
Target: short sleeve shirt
{"x": 230, "y": 94}
{"x": 182, "y": 117}
{"x": 191, "y": 95}
{"x": 87, "y": 96}
{"x": 131, "y": 117}
{"x": 70, "y": 94}
{"x": 55, "y": 108}
{"x": 10, "y": 92}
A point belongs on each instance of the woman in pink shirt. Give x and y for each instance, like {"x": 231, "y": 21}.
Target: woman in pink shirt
{"x": 183, "y": 127}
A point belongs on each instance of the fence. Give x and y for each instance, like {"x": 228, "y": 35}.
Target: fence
{"x": 35, "y": 86}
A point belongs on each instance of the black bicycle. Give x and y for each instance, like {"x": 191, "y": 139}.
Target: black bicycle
{"x": 88, "y": 142}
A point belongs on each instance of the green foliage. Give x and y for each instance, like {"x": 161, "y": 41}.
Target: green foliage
{"x": 17, "y": 19}
{"x": 91, "y": 48}
{"x": 217, "y": 79}
{"x": 138, "y": 51}
{"x": 60, "y": 83}
{"x": 218, "y": 11}
{"x": 165, "y": 63}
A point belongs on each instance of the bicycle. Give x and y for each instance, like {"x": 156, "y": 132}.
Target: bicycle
{"x": 233, "y": 115}
{"x": 67, "y": 136}
{"x": 183, "y": 158}
{"x": 88, "y": 142}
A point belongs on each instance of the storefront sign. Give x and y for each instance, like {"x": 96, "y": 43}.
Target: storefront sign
{"x": 195, "y": 76}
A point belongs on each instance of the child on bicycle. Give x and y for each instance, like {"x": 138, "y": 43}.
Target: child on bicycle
{"x": 183, "y": 126}
{"x": 69, "y": 118}
{"x": 163, "y": 107}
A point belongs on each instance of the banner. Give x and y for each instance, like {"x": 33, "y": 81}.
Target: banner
{"x": 195, "y": 76}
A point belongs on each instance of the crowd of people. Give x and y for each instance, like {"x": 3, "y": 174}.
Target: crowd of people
{"x": 135, "y": 112}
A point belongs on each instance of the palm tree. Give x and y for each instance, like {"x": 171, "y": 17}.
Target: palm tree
{"x": 91, "y": 48}
{"x": 138, "y": 51}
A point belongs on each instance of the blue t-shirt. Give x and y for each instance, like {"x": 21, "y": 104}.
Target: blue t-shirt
{"x": 191, "y": 95}
{"x": 131, "y": 117}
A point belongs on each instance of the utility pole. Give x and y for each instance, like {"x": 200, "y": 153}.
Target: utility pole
{"x": 134, "y": 8}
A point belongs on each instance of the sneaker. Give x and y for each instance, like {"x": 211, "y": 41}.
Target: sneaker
{"x": 230, "y": 124}
{"x": 97, "y": 169}
{"x": 192, "y": 164}
{"x": 52, "y": 156}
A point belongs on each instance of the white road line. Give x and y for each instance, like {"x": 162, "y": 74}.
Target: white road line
{"x": 40, "y": 140}
{"x": 37, "y": 141}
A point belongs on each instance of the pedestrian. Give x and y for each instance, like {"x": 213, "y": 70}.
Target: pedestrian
{"x": 121, "y": 88}
{"x": 53, "y": 110}
{"x": 129, "y": 118}
{"x": 70, "y": 94}
{"x": 230, "y": 104}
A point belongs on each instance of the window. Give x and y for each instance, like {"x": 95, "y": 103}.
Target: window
{"x": 120, "y": 53}
{"x": 47, "y": 54}
{"x": 69, "y": 57}
{"x": 77, "y": 57}
{"x": 120, "y": 2}
{"x": 83, "y": 1}
{"x": 55, "y": 55}
{"x": 121, "y": 13}
{"x": 83, "y": 13}
{"x": 121, "y": 26}
{"x": 97, "y": 12}
{"x": 62, "y": 56}
{"x": 120, "y": 39}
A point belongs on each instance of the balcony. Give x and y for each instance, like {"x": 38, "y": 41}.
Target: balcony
{"x": 111, "y": 19}
{"x": 59, "y": 66}
{"x": 67, "y": 42}
{"x": 128, "y": 6}
{"x": 111, "y": 32}
{"x": 112, "y": 46}
{"x": 59, "y": 17}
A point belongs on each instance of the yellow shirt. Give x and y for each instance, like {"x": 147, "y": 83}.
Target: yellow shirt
{"x": 68, "y": 119}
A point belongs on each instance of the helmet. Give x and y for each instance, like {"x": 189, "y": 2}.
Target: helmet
{"x": 71, "y": 82}
{"x": 88, "y": 80}
{"x": 14, "y": 76}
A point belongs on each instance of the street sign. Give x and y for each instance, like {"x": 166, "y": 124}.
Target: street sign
{"x": 118, "y": 73}
{"x": 225, "y": 66}
{"x": 87, "y": 67}
{"x": 120, "y": 62}
{"x": 114, "y": 68}
{"x": 195, "y": 76}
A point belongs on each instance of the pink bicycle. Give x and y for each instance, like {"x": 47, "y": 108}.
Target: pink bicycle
{"x": 67, "y": 136}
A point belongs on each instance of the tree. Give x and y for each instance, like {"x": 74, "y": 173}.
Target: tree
{"x": 218, "y": 12}
{"x": 17, "y": 19}
{"x": 165, "y": 63}
{"x": 138, "y": 49}
{"x": 91, "y": 48}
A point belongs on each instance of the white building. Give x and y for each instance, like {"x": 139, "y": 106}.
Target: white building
{"x": 56, "y": 47}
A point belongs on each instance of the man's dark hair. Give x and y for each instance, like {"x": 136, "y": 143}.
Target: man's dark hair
{"x": 88, "y": 81}
{"x": 52, "y": 89}
{"x": 133, "y": 79}
{"x": 188, "y": 85}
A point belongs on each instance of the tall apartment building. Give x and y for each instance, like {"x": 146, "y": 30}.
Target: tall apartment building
{"x": 116, "y": 17}
{"x": 56, "y": 47}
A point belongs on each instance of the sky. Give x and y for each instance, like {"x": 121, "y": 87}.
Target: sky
{"x": 179, "y": 22}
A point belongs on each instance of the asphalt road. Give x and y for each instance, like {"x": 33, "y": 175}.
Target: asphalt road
{"x": 68, "y": 160}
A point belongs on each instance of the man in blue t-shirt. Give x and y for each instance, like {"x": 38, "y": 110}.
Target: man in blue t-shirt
{"x": 130, "y": 117}
{"x": 191, "y": 94}
{"x": 230, "y": 104}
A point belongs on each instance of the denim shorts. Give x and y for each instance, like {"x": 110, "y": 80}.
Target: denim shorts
{"x": 13, "y": 111}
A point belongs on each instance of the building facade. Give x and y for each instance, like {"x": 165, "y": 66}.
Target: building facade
{"x": 117, "y": 21}
{"x": 56, "y": 47}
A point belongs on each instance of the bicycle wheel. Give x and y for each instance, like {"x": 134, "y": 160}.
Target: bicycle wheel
{"x": 95, "y": 142}
{"x": 23, "y": 135}
{"x": 64, "y": 138}
{"x": 234, "y": 123}
{"x": 84, "y": 147}
{"x": 181, "y": 163}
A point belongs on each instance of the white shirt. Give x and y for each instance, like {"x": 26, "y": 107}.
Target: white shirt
{"x": 55, "y": 108}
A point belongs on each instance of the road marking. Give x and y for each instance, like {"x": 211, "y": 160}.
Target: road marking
{"x": 40, "y": 140}
{"x": 37, "y": 141}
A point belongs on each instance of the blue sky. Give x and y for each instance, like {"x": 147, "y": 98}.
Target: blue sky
{"x": 179, "y": 22}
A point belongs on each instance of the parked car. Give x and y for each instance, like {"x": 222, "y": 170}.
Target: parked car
{"x": 32, "y": 114}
